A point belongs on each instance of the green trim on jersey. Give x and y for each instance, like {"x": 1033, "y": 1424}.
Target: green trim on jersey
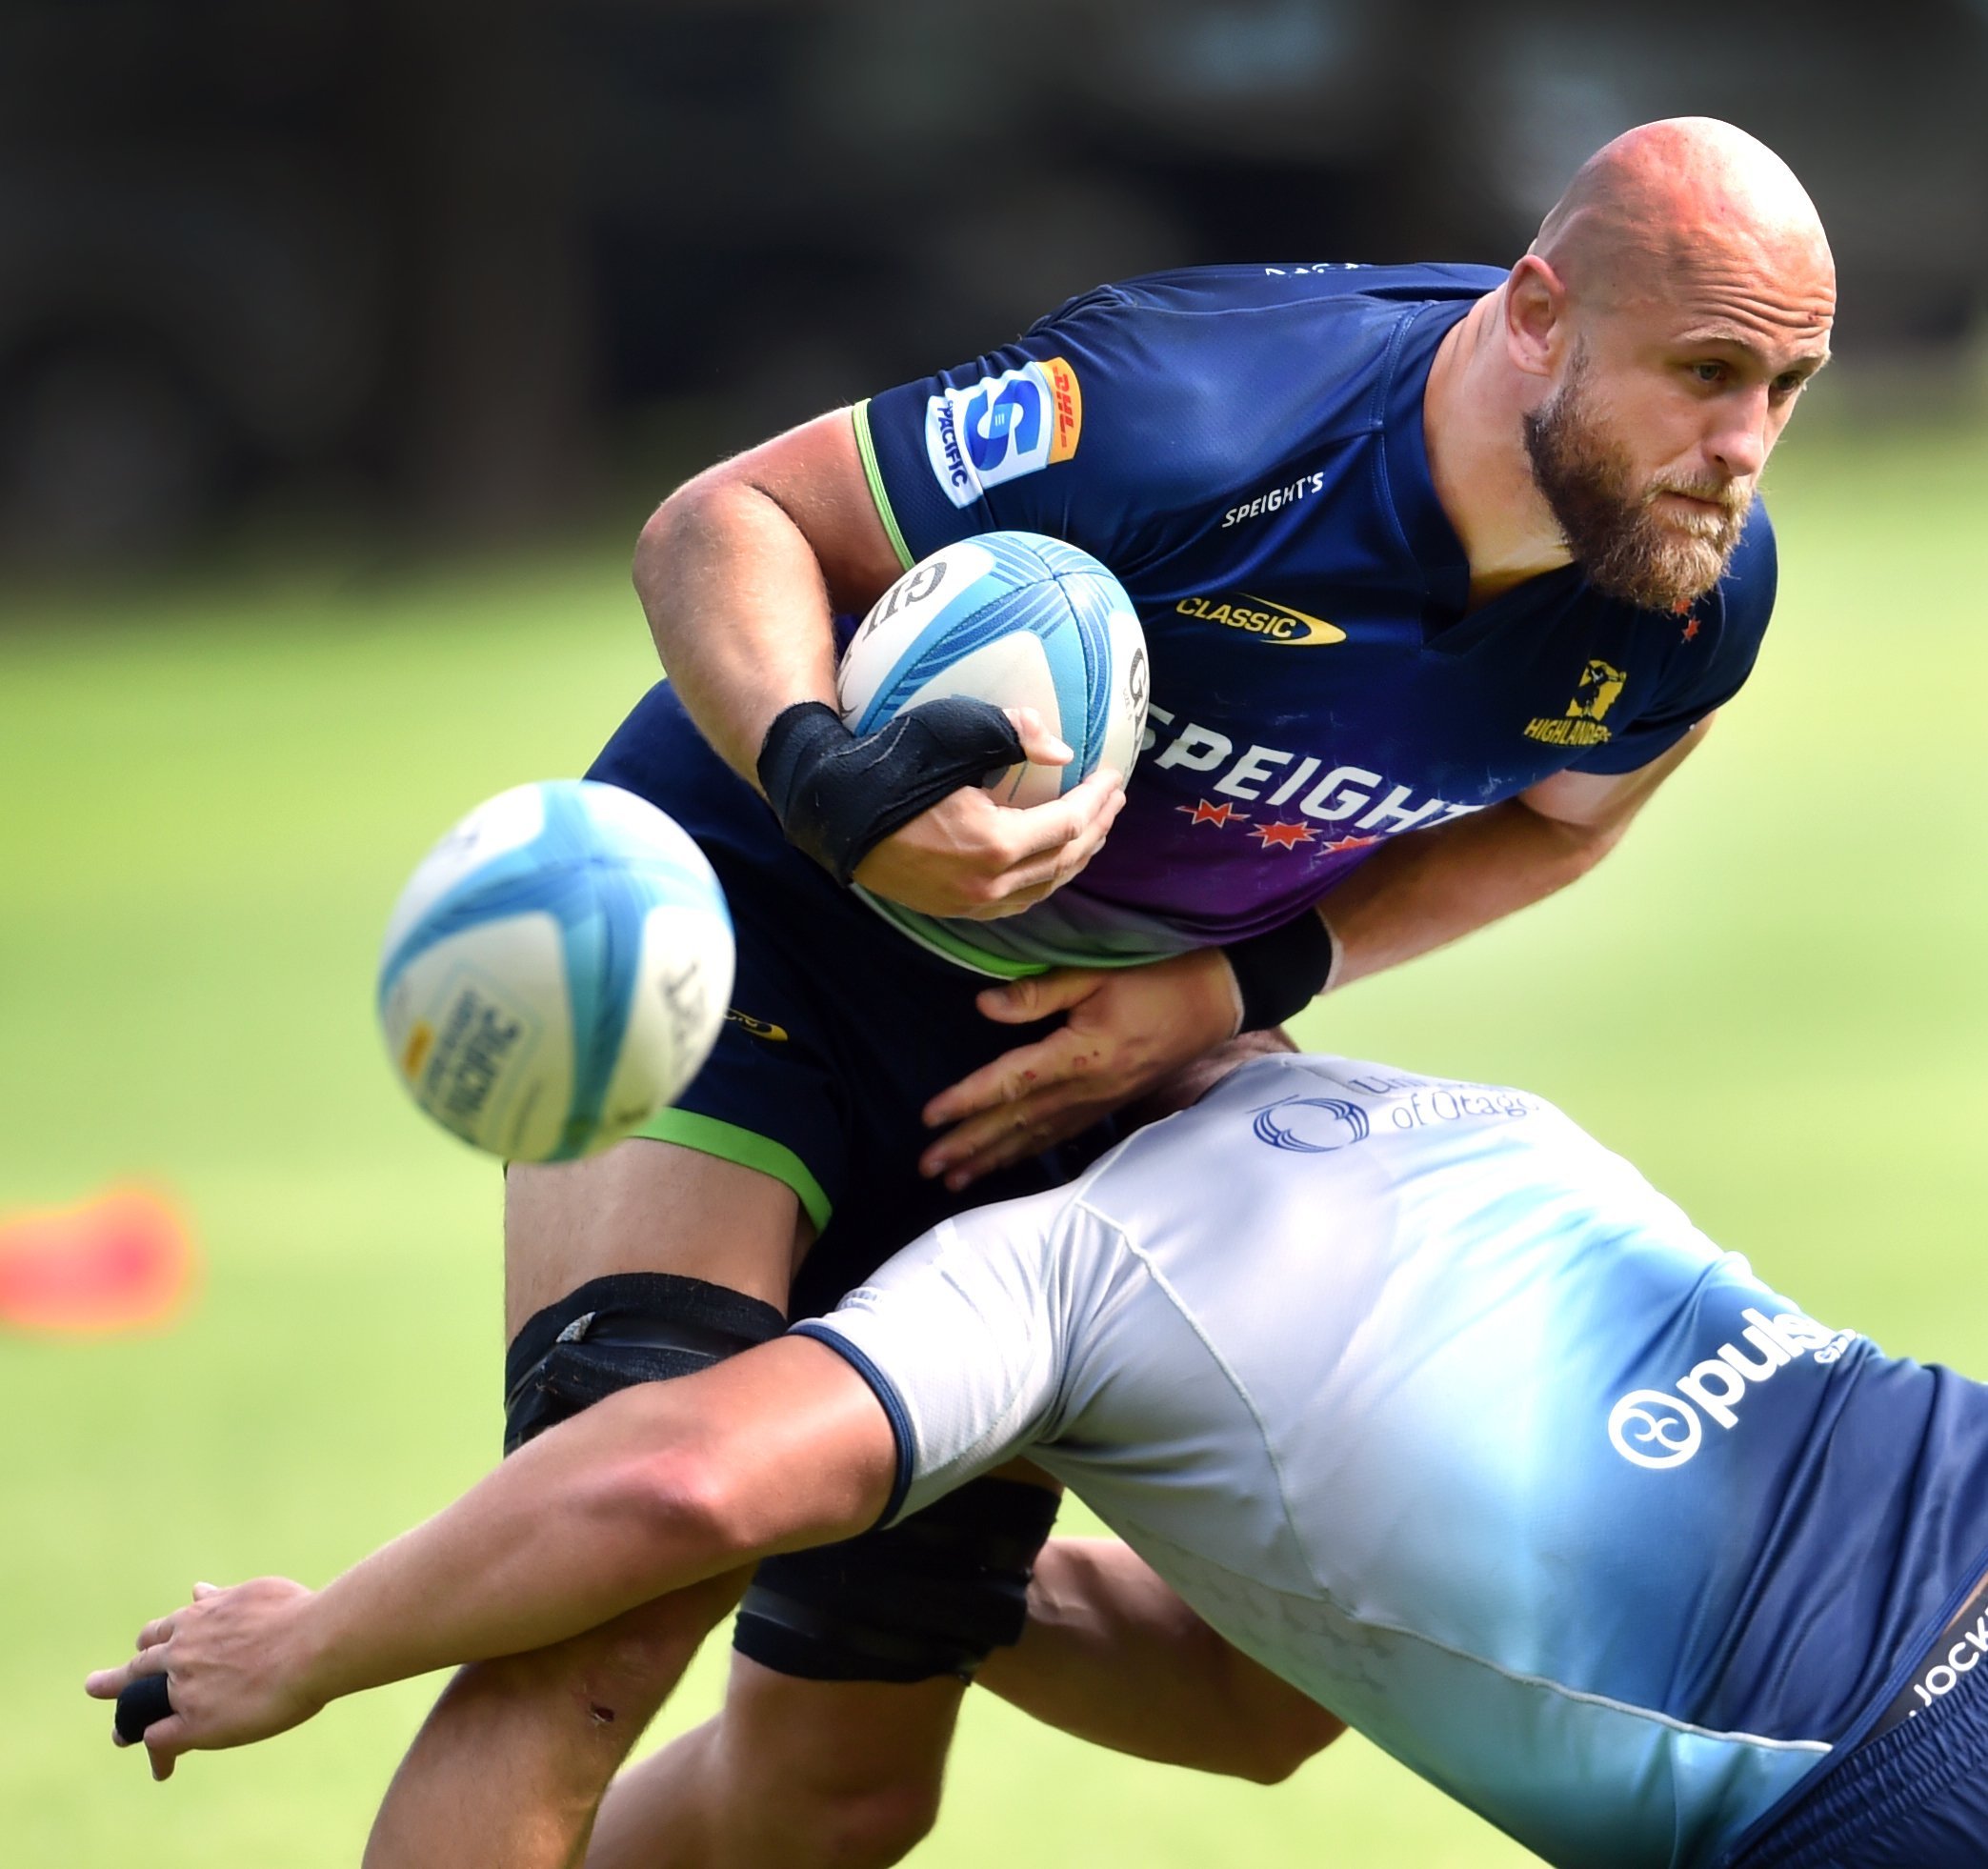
{"x": 866, "y": 446}
{"x": 709, "y": 1137}
{"x": 937, "y": 937}
{"x": 945, "y": 940}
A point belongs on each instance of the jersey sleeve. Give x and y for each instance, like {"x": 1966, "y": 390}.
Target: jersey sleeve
{"x": 965, "y": 1338}
{"x": 1101, "y": 425}
{"x": 1710, "y": 666}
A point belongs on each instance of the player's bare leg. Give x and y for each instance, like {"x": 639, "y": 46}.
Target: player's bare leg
{"x": 756, "y": 1786}
{"x": 509, "y": 1766}
{"x": 511, "y": 1763}
{"x": 794, "y": 1773}
{"x": 1111, "y": 1654}
{"x": 645, "y": 1207}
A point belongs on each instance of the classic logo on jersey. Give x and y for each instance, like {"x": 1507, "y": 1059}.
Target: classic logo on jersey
{"x": 1352, "y": 806}
{"x": 758, "y": 1028}
{"x": 1599, "y": 686}
{"x": 1003, "y": 426}
{"x": 1259, "y": 616}
{"x": 1661, "y": 1428}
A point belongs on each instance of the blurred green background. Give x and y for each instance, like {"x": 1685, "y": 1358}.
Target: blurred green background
{"x": 1769, "y": 998}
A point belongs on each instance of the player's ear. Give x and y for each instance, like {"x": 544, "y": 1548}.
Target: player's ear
{"x": 1536, "y": 331}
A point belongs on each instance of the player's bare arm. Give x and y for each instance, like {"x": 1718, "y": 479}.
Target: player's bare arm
{"x": 653, "y": 1489}
{"x": 1425, "y": 891}
{"x": 1129, "y": 1028}
{"x": 740, "y": 573}
{"x": 1112, "y": 1655}
{"x": 1125, "y": 1030}
{"x": 741, "y": 568}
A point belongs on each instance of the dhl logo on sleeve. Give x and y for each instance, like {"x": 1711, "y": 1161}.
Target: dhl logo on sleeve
{"x": 1003, "y": 426}
{"x": 1068, "y": 399}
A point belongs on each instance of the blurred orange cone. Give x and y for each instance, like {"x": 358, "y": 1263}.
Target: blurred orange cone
{"x": 123, "y": 1261}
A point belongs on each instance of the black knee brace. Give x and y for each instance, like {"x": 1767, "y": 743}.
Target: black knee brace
{"x": 929, "y": 1596}
{"x": 613, "y": 1333}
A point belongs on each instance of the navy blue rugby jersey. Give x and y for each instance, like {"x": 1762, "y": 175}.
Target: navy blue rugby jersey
{"x": 1244, "y": 447}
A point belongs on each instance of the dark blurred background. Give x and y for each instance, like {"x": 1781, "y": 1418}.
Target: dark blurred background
{"x": 412, "y": 271}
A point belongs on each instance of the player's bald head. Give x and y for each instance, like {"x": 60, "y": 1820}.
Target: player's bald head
{"x": 1692, "y": 209}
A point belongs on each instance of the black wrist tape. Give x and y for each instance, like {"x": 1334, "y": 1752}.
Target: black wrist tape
{"x": 837, "y": 797}
{"x": 1282, "y": 970}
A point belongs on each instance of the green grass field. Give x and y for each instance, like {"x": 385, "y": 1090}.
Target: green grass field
{"x": 1771, "y": 998}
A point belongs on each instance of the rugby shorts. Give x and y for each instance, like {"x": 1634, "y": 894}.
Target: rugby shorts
{"x": 1912, "y": 1793}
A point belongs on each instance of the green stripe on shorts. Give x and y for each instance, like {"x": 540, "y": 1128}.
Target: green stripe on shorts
{"x": 709, "y": 1137}
{"x": 865, "y": 446}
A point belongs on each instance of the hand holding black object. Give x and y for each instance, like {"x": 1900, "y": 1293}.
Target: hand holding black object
{"x": 243, "y": 1664}
{"x": 838, "y": 796}
{"x": 141, "y": 1704}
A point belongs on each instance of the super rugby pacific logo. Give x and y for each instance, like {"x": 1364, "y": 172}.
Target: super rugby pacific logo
{"x": 1661, "y": 1428}
{"x": 1003, "y": 426}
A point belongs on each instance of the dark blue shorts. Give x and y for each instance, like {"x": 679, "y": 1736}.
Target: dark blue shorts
{"x": 840, "y": 1031}
{"x": 1915, "y": 1799}
{"x": 1913, "y": 1794}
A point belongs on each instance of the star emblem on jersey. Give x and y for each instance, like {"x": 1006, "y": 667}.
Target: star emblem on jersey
{"x": 1201, "y": 812}
{"x": 1349, "y": 843}
{"x": 1283, "y": 837}
{"x": 1691, "y": 630}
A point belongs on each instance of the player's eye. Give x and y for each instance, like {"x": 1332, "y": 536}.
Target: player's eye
{"x": 1707, "y": 372}
{"x": 1788, "y": 382}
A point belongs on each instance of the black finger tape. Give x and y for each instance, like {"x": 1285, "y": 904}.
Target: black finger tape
{"x": 145, "y": 1701}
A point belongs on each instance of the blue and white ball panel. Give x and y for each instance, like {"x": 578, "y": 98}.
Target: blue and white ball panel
{"x": 556, "y": 971}
{"x": 1019, "y": 619}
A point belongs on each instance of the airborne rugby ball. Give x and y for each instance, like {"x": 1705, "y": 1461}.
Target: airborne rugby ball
{"x": 1020, "y": 620}
{"x": 556, "y": 971}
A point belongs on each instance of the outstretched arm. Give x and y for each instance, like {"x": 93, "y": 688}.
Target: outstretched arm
{"x": 653, "y": 1489}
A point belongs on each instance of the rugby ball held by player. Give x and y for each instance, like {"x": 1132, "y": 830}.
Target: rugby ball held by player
{"x": 1441, "y": 569}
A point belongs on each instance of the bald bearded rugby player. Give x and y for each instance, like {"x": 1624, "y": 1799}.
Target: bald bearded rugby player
{"x": 1499, "y": 531}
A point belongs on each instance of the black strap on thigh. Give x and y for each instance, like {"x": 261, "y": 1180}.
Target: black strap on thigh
{"x": 929, "y": 1596}
{"x": 615, "y": 1332}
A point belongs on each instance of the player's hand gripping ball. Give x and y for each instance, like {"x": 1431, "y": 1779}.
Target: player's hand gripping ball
{"x": 556, "y": 971}
{"x": 1020, "y": 620}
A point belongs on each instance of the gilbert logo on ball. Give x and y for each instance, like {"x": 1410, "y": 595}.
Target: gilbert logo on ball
{"x": 556, "y": 971}
{"x": 1020, "y": 620}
